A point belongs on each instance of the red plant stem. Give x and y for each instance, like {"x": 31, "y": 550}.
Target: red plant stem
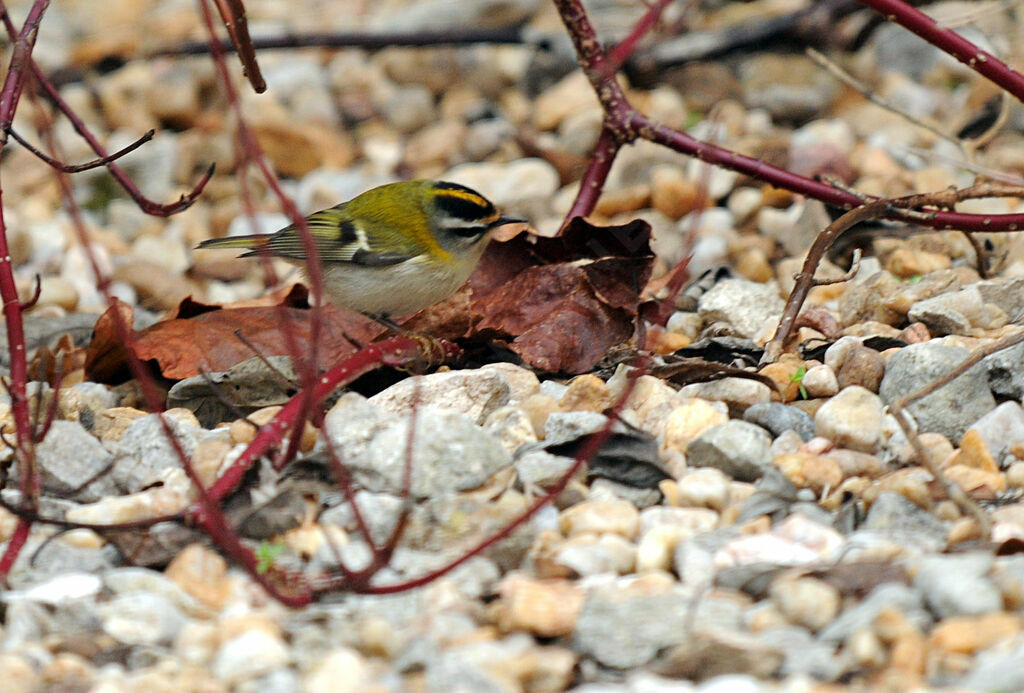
{"x": 982, "y": 62}
{"x": 145, "y": 204}
{"x": 14, "y": 547}
{"x": 390, "y": 352}
{"x": 10, "y": 94}
{"x": 595, "y": 176}
{"x": 306, "y": 365}
{"x": 618, "y": 55}
{"x": 626, "y": 124}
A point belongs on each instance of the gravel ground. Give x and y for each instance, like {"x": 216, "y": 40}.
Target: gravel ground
{"x": 777, "y": 541}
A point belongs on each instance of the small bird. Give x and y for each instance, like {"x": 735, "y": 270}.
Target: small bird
{"x": 392, "y": 250}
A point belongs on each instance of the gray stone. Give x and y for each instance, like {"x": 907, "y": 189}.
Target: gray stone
{"x": 139, "y": 618}
{"x": 621, "y": 628}
{"x": 955, "y": 312}
{"x": 951, "y": 409}
{"x": 1001, "y": 427}
{"x": 1006, "y": 372}
{"x": 891, "y": 594}
{"x": 737, "y": 448}
{"x": 1006, "y": 293}
{"x": 778, "y": 417}
{"x": 958, "y": 584}
{"x": 739, "y": 394}
{"x": 144, "y": 451}
{"x": 561, "y": 427}
{"x": 804, "y": 654}
{"x": 997, "y": 669}
{"x": 744, "y": 304}
{"x": 449, "y": 452}
{"x": 892, "y": 514}
{"x": 69, "y": 458}
{"x": 475, "y": 393}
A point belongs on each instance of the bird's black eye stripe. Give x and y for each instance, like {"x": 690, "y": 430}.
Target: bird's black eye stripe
{"x": 462, "y": 203}
{"x": 467, "y": 231}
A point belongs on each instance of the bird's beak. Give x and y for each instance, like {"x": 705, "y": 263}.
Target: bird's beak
{"x": 501, "y": 221}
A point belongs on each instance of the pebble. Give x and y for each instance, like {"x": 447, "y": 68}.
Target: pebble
{"x": 739, "y": 394}
{"x": 705, "y": 487}
{"x": 475, "y": 393}
{"x": 958, "y": 585}
{"x": 777, "y": 418}
{"x": 807, "y": 601}
{"x": 953, "y": 408}
{"x": 600, "y": 517}
{"x": 851, "y": 419}
{"x": 744, "y": 305}
{"x": 820, "y": 381}
{"x": 451, "y": 452}
{"x": 690, "y": 420}
{"x": 73, "y": 463}
{"x": 737, "y": 448}
{"x": 546, "y": 608}
{"x": 863, "y": 367}
{"x": 249, "y": 655}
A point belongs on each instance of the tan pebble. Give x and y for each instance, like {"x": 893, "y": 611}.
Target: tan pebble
{"x": 652, "y": 400}
{"x": 1015, "y": 475}
{"x": 201, "y": 572}
{"x": 656, "y": 547}
{"x": 891, "y": 623}
{"x": 688, "y": 421}
{"x": 670, "y": 342}
{"x": 820, "y": 381}
{"x": 672, "y": 194}
{"x": 852, "y": 419}
{"x": 753, "y": 264}
{"x": 865, "y": 648}
{"x": 110, "y": 424}
{"x": 521, "y": 382}
{"x": 601, "y": 517}
{"x": 936, "y": 445}
{"x": 546, "y": 608}
{"x": 970, "y": 634}
{"x": 976, "y": 482}
{"x": 183, "y": 416}
{"x": 911, "y": 483}
{"x": 784, "y": 375}
{"x": 65, "y": 671}
{"x": 862, "y": 366}
{"x": 538, "y": 407}
{"x": 703, "y": 488}
{"x": 58, "y": 291}
{"x": 208, "y": 456}
{"x": 947, "y": 511}
{"x": 806, "y": 601}
{"x": 854, "y": 463}
{"x": 586, "y": 393}
{"x": 766, "y": 615}
{"x": 810, "y": 471}
{"x": 906, "y": 263}
{"x": 908, "y": 653}
{"x": 964, "y": 529}
{"x": 628, "y": 199}
{"x": 915, "y": 333}
{"x": 974, "y": 453}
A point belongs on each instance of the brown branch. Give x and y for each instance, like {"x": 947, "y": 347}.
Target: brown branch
{"x": 232, "y": 13}
{"x": 78, "y": 168}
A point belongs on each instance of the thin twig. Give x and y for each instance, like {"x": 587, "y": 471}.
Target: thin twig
{"x": 78, "y": 168}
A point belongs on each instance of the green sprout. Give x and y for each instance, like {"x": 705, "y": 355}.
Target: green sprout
{"x": 266, "y": 554}
{"x": 798, "y": 378}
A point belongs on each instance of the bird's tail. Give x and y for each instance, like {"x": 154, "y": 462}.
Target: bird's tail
{"x": 254, "y": 242}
